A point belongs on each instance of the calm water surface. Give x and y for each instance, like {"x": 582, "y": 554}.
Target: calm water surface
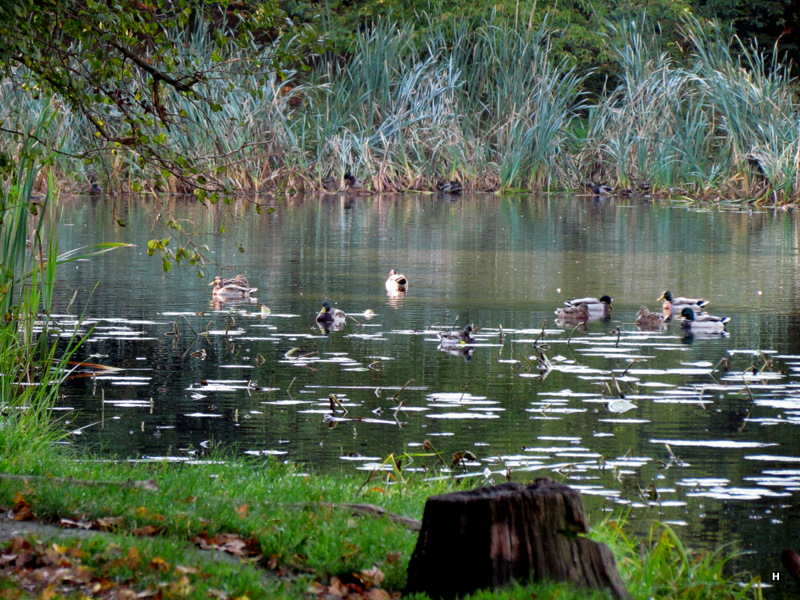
{"x": 620, "y": 414}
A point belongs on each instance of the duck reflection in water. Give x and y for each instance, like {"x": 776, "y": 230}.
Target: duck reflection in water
{"x": 462, "y": 350}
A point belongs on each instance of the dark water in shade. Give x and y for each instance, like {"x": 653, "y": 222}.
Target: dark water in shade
{"x": 621, "y": 412}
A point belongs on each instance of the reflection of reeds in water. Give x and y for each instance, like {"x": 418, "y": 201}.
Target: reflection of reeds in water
{"x": 489, "y": 106}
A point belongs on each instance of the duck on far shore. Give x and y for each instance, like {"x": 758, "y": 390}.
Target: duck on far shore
{"x": 599, "y": 189}
{"x": 453, "y": 187}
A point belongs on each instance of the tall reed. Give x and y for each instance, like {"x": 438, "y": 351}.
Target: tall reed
{"x": 488, "y": 103}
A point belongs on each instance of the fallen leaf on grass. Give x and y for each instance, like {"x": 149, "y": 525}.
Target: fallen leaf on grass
{"x": 63, "y": 522}
{"x": 110, "y": 523}
{"x": 230, "y": 543}
{"x": 351, "y": 588}
{"x": 22, "y": 509}
{"x": 372, "y": 577}
{"x": 147, "y": 531}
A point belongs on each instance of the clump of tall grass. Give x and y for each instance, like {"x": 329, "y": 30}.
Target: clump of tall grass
{"x": 490, "y": 104}
{"x": 723, "y": 123}
{"x": 661, "y": 566}
{"x": 35, "y": 353}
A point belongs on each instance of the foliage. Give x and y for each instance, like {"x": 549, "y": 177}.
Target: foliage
{"x": 120, "y": 69}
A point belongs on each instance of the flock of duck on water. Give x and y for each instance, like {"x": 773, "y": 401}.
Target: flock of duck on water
{"x": 577, "y": 311}
{"x": 691, "y": 311}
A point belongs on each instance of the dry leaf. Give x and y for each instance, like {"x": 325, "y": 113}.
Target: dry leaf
{"x": 159, "y": 564}
{"x": 110, "y": 523}
{"x": 372, "y": 577}
{"x": 147, "y": 531}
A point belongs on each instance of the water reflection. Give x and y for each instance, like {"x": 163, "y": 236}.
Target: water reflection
{"x": 707, "y": 423}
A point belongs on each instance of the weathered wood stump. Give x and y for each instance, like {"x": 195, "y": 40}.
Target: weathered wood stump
{"x": 490, "y": 537}
{"x": 791, "y": 560}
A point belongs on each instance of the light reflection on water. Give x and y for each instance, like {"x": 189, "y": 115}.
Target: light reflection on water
{"x": 610, "y": 410}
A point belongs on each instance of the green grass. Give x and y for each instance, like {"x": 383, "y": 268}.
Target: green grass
{"x": 295, "y": 533}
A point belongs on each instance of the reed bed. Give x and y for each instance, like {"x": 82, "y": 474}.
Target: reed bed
{"x": 492, "y": 106}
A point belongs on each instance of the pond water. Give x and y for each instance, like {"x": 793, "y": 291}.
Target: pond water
{"x": 616, "y": 412}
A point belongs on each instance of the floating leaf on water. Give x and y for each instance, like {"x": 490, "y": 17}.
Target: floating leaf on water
{"x": 620, "y": 406}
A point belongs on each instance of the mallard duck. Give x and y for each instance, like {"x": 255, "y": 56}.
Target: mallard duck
{"x": 599, "y": 189}
{"x": 329, "y": 315}
{"x": 457, "y": 337}
{"x": 704, "y": 322}
{"x": 449, "y": 187}
{"x": 599, "y": 308}
{"x": 237, "y": 287}
{"x": 397, "y": 282}
{"x": 353, "y": 182}
{"x": 330, "y": 183}
{"x": 95, "y": 190}
{"x": 575, "y": 314}
{"x": 650, "y": 320}
{"x": 674, "y": 304}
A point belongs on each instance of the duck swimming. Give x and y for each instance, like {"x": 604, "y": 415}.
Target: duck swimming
{"x": 705, "y": 322}
{"x": 673, "y": 305}
{"x": 329, "y": 315}
{"x": 397, "y": 282}
{"x": 457, "y": 337}
{"x": 599, "y": 308}
{"x": 574, "y": 314}
{"x": 237, "y": 287}
{"x": 650, "y": 320}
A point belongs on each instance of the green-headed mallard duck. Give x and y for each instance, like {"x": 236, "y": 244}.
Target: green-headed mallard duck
{"x": 599, "y": 308}
{"x": 599, "y": 189}
{"x": 574, "y": 314}
{"x": 457, "y": 337}
{"x": 353, "y": 182}
{"x": 673, "y": 305}
{"x": 453, "y": 187}
{"x": 329, "y": 315}
{"x": 703, "y": 322}
{"x": 397, "y": 282}
{"x": 237, "y": 287}
{"x": 650, "y": 320}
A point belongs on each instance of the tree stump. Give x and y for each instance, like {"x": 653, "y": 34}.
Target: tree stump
{"x": 490, "y": 537}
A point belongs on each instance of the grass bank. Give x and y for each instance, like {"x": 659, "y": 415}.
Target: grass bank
{"x": 281, "y": 533}
{"x": 490, "y": 106}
